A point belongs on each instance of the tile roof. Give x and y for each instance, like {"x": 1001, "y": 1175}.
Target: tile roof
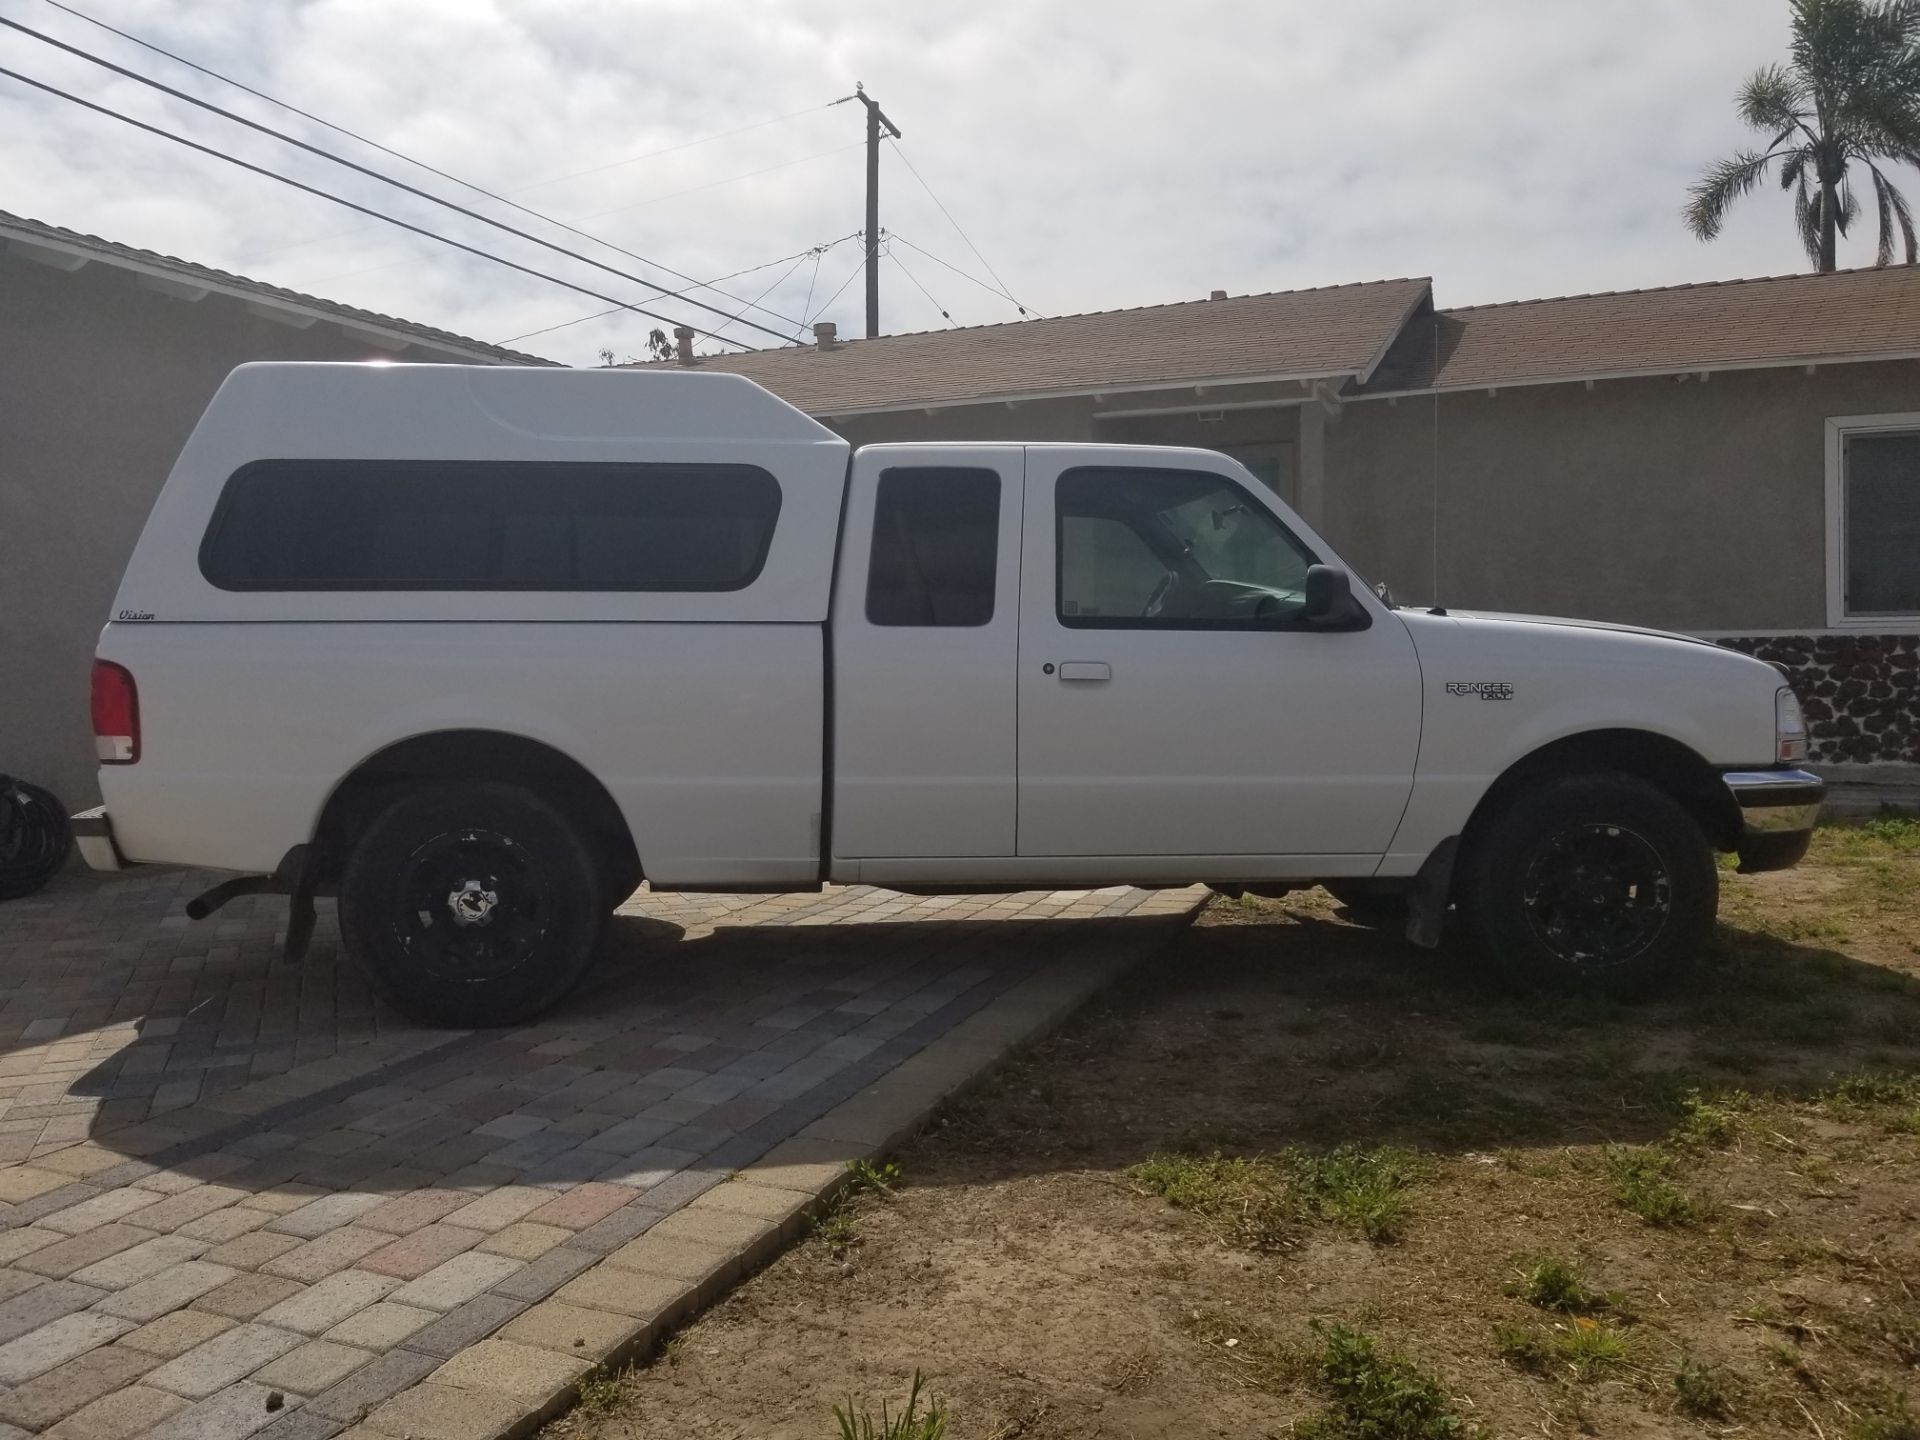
{"x": 111, "y": 252}
{"x": 1779, "y": 320}
{"x": 1340, "y": 330}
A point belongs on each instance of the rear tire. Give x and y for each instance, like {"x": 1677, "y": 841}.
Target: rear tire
{"x": 1595, "y": 882}
{"x": 472, "y": 905}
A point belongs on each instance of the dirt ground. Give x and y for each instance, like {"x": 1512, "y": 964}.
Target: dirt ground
{"x": 1551, "y": 1217}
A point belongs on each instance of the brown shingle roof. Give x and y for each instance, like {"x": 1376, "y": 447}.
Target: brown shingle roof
{"x": 110, "y": 251}
{"x": 1337, "y": 331}
{"x": 1782, "y": 320}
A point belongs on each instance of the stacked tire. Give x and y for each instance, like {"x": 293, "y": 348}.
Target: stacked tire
{"x": 34, "y": 837}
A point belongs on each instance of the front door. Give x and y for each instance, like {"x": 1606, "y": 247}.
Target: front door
{"x": 925, "y": 621}
{"x": 1171, "y": 700}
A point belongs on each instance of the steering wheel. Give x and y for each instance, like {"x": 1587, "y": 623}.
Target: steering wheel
{"x": 1159, "y": 595}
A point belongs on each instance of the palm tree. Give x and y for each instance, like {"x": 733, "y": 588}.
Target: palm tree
{"x": 1851, "y": 94}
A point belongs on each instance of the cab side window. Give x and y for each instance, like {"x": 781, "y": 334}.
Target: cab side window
{"x": 936, "y": 547}
{"x": 1171, "y": 549}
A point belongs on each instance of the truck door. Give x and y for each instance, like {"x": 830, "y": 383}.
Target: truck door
{"x": 925, "y": 631}
{"x": 1168, "y": 706}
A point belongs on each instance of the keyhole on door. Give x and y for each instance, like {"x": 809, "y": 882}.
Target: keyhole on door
{"x": 1046, "y": 669}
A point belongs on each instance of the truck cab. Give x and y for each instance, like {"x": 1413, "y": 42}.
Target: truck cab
{"x": 478, "y": 649}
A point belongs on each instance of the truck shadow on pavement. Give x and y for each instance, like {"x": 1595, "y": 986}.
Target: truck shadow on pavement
{"x": 1269, "y": 1026}
{"x": 691, "y": 1049}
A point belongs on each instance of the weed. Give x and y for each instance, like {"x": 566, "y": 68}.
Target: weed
{"x": 599, "y": 1390}
{"x": 1704, "y": 1391}
{"x": 1377, "y": 1396}
{"x": 864, "y": 1177}
{"x": 1260, "y": 1201}
{"x": 1245, "y": 1197}
{"x": 1642, "y": 1182}
{"x": 1873, "y": 1089}
{"x": 1709, "y": 1124}
{"x": 1361, "y": 1188}
{"x": 1890, "y": 1418}
{"x": 836, "y": 1226}
{"x": 1554, "y": 1284}
{"x": 909, "y": 1424}
{"x": 1522, "y": 1347}
{"x": 1590, "y": 1349}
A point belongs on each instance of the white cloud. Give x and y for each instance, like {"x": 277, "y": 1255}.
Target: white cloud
{"x": 1101, "y": 155}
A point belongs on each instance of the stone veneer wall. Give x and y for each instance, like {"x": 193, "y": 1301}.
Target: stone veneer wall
{"x": 1861, "y": 693}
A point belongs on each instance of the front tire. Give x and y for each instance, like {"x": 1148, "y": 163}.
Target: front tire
{"x": 472, "y": 905}
{"x": 1596, "y": 882}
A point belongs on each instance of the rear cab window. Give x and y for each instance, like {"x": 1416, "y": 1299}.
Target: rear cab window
{"x": 936, "y": 547}
{"x": 396, "y": 525}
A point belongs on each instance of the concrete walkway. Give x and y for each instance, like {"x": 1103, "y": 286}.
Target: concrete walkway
{"x": 238, "y": 1198}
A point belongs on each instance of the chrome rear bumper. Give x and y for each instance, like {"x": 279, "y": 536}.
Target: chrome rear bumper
{"x": 1778, "y": 810}
{"x": 93, "y": 833}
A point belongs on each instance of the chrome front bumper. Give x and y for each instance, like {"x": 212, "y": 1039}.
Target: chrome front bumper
{"x": 93, "y": 833}
{"x": 1778, "y": 810}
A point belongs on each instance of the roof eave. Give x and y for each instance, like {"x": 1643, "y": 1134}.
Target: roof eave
{"x": 1200, "y": 384}
{"x": 367, "y": 329}
{"x": 1656, "y": 372}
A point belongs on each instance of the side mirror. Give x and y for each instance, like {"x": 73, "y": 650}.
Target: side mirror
{"x": 1329, "y": 594}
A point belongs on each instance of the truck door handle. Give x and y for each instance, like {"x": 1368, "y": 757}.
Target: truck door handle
{"x": 1085, "y": 670}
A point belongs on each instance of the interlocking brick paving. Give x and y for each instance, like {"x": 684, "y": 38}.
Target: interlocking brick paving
{"x": 247, "y": 1195}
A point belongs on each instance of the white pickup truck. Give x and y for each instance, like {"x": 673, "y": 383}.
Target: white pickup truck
{"x": 478, "y": 649}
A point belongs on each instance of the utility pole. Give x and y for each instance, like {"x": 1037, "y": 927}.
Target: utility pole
{"x": 876, "y": 118}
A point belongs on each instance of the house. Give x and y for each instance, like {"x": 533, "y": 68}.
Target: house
{"x": 1739, "y": 461}
{"x": 108, "y": 355}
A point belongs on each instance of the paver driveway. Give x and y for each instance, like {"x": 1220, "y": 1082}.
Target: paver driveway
{"x": 239, "y": 1197}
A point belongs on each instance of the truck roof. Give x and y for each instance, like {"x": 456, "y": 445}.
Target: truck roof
{"x": 549, "y": 401}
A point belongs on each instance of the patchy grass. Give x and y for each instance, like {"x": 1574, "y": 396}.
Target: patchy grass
{"x": 1555, "y": 1284}
{"x": 1590, "y": 1348}
{"x": 1705, "y": 1392}
{"x": 1740, "y": 1158}
{"x": 912, "y": 1423}
{"x": 1642, "y": 1181}
{"x": 1261, "y": 1202}
{"x": 1377, "y": 1395}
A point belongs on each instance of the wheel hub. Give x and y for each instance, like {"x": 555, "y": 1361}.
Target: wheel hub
{"x": 1597, "y": 894}
{"x": 472, "y": 903}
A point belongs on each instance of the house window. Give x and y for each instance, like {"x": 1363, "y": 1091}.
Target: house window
{"x": 1873, "y": 519}
{"x": 936, "y": 545}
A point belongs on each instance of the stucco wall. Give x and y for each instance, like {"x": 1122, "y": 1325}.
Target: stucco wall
{"x": 100, "y": 383}
{"x": 1689, "y": 505}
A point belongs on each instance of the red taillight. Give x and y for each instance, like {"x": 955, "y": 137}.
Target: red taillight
{"x": 116, "y": 714}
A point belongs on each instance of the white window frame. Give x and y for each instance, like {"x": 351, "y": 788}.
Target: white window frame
{"x": 1839, "y": 429}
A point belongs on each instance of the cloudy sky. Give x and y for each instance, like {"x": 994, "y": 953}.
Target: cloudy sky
{"x": 1099, "y": 153}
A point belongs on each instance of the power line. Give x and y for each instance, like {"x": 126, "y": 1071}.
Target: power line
{"x": 851, "y": 275}
{"x": 816, "y": 251}
{"x": 776, "y": 284}
{"x": 974, "y": 279}
{"x": 372, "y": 174}
{"x": 444, "y": 175}
{"x": 956, "y": 225}
{"x": 944, "y": 315}
{"x": 806, "y": 304}
{"x": 353, "y": 205}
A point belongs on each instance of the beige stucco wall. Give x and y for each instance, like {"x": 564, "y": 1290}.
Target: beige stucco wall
{"x": 1690, "y": 505}
{"x": 100, "y": 383}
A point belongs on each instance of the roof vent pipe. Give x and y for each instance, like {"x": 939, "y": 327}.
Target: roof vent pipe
{"x": 683, "y": 343}
{"x": 825, "y": 334}
{"x": 1218, "y": 295}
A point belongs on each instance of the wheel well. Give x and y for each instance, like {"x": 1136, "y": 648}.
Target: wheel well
{"x": 472, "y": 755}
{"x": 1674, "y": 768}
